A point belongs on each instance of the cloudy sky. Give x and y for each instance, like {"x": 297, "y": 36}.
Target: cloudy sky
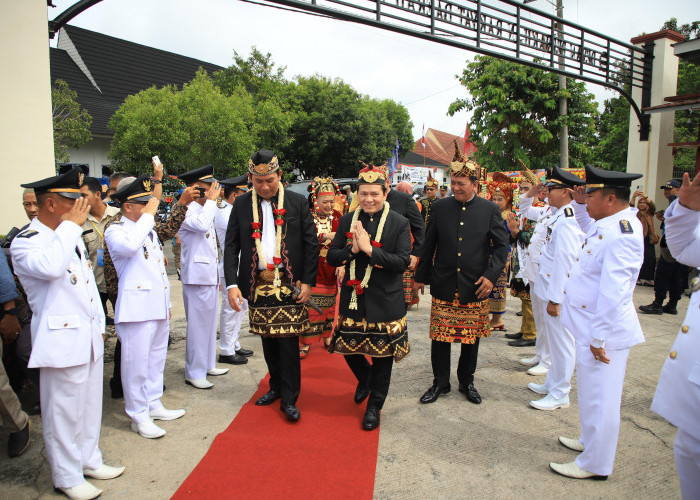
{"x": 419, "y": 74}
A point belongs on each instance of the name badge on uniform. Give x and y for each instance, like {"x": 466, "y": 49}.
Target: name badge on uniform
{"x": 73, "y": 278}
{"x": 100, "y": 257}
{"x": 625, "y": 227}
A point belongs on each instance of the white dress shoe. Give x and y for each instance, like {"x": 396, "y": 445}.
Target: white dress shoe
{"x": 84, "y": 491}
{"x": 199, "y": 383}
{"x": 217, "y": 371}
{"x": 148, "y": 429}
{"x": 538, "y": 370}
{"x": 530, "y": 361}
{"x": 572, "y": 444}
{"x": 104, "y": 472}
{"x": 165, "y": 414}
{"x": 538, "y": 388}
{"x": 574, "y": 471}
{"x": 550, "y": 403}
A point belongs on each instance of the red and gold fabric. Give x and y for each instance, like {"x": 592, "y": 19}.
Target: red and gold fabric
{"x": 376, "y": 340}
{"x": 455, "y": 322}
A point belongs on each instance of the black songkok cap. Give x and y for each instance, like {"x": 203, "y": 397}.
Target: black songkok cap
{"x": 597, "y": 178}
{"x": 67, "y": 184}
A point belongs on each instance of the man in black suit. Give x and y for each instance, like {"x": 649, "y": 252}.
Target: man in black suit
{"x": 462, "y": 273}
{"x": 374, "y": 244}
{"x": 276, "y": 236}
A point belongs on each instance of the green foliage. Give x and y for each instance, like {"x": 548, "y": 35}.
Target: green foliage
{"x": 187, "y": 128}
{"x": 613, "y": 125}
{"x": 516, "y": 115}
{"x": 71, "y": 123}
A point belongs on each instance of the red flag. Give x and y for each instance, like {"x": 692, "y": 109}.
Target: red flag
{"x": 469, "y": 148}
{"x": 422, "y": 139}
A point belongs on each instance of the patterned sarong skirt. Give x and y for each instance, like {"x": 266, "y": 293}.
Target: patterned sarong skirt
{"x": 376, "y": 340}
{"x": 274, "y": 313}
{"x": 455, "y": 322}
{"x": 321, "y": 324}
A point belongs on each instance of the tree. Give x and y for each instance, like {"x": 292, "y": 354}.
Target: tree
{"x": 613, "y": 125}
{"x": 516, "y": 115}
{"x": 335, "y": 126}
{"x": 187, "y": 128}
{"x": 71, "y": 123}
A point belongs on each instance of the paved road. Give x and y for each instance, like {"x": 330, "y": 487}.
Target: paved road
{"x": 450, "y": 449}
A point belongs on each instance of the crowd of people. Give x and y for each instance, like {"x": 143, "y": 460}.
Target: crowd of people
{"x": 344, "y": 269}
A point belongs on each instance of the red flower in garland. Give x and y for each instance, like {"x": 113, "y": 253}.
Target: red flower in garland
{"x": 257, "y": 235}
{"x": 271, "y": 267}
{"x": 255, "y": 225}
{"x": 348, "y": 236}
{"x": 279, "y": 212}
{"x": 376, "y": 244}
{"x": 277, "y": 260}
{"x": 358, "y": 286}
{"x": 279, "y": 222}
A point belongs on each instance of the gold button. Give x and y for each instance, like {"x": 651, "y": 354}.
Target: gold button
{"x": 458, "y": 269}
{"x": 588, "y": 251}
{"x": 600, "y": 236}
{"x": 65, "y": 325}
{"x": 166, "y": 287}
{"x": 673, "y": 354}
{"x": 684, "y": 329}
{"x": 464, "y": 208}
{"x": 461, "y": 223}
{"x": 138, "y": 286}
{"x": 459, "y": 254}
{"x": 547, "y": 274}
{"x": 460, "y": 239}
{"x": 583, "y": 307}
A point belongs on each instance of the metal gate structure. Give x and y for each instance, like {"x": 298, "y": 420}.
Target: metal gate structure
{"x": 505, "y": 29}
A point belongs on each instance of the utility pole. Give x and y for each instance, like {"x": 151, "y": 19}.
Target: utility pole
{"x": 563, "y": 104}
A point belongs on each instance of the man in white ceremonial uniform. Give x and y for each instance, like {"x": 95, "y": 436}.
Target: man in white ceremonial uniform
{"x": 599, "y": 311}
{"x": 143, "y": 306}
{"x": 68, "y": 324}
{"x": 200, "y": 278}
{"x": 541, "y": 212}
{"x": 562, "y": 244}
{"x": 677, "y": 397}
{"x": 230, "y": 350}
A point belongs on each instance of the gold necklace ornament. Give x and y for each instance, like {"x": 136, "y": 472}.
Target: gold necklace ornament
{"x": 271, "y": 270}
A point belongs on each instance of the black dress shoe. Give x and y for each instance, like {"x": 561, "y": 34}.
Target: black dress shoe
{"x": 371, "y": 419}
{"x": 471, "y": 393}
{"x": 521, "y": 342}
{"x": 18, "y": 441}
{"x": 514, "y": 336}
{"x": 233, "y": 359}
{"x": 35, "y": 409}
{"x": 291, "y": 412}
{"x": 361, "y": 393}
{"x": 652, "y": 308}
{"x": 669, "y": 309}
{"x": 432, "y": 394}
{"x": 268, "y": 398}
{"x": 246, "y": 353}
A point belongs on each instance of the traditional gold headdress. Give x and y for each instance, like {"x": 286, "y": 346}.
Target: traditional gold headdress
{"x": 372, "y": 174}
{"x": 529, "y": 175}
{"x": 263, "y": 162}
{"x": 431, "y": 182}
{"x": 324, "y": 186}
{"x": 462, "y": 166}
{"x": 500, "y": 183}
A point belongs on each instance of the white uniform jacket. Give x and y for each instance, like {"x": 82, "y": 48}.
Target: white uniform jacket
{"x": 199, "y": 257}
{"x": 598, "y": 295}
{"x": 562, "y": 243}
{"x": 533, "y": 251}
{"x": 144, "y": 289}
{"x": 68, "y": 321}
{"x": 677, "y": 397}
{"x": 221, "y": 224}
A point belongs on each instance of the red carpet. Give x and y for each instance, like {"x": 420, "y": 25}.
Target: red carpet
{"x": 324, "y": 455}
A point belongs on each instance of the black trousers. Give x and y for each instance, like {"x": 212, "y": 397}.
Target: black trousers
{"x": 282, "y": 358}
{"x": 671, "y": 278}
{"x": 375, "y": 376}
{"x": 440, "y": 358}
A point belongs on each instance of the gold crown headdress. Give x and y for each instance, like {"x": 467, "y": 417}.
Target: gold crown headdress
{"x": 529, "y": 175}
{"x": 264, "y": 168}
{"x": 373, "y": 174}
{"x": 462, "y": 166}
{"x": 431, "y": 182}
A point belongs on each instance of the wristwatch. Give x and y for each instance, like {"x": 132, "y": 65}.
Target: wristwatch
{"x": 12, "y": 311}
{"x": 554, "y": 303}
{"x": 157, "y": 182}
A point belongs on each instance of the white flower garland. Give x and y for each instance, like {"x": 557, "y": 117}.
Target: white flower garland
{"x": 368, "y": 272}
{"x": 278, "y": 236}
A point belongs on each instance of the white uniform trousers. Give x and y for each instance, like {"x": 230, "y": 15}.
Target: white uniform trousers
{"x": 686, "y": 451}
{"x": 201, "y": 303}
{"x": 541, "y": 345}
{"x": 599, "y": 396}
{"x": 562, "y": 348}
{"x": 144, "y": 347}
{"x": 71, "y": 413}
{"x": 230, "y": 323}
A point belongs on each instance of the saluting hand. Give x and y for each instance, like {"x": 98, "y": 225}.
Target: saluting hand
{"x": 78, "y": 212}
{"x": 578, "y": 193}
{"x": 213, "y": 192}
{"x": 188, "y": 195}
{"x": 689, "y": 193}
{"x": 151, "y": 207}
